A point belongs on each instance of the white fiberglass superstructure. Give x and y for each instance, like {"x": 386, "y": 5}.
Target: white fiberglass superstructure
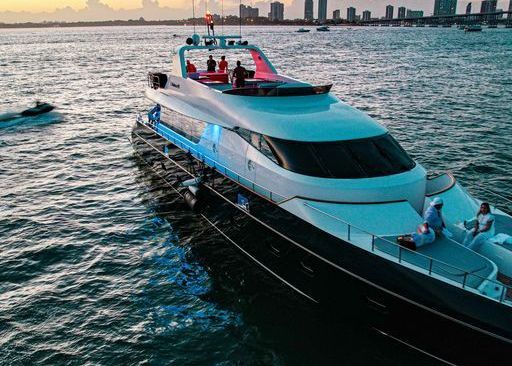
{"x": 298, "y": 146}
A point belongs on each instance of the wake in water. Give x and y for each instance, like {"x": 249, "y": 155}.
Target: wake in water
{"x": 40, "y": 114}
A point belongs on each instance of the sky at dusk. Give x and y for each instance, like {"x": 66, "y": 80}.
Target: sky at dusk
{"x": 12, "y": 11}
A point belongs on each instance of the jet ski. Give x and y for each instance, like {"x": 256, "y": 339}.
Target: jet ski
{"x": 40, "y": 108}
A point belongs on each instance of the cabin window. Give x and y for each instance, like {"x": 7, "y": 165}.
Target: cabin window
{"x": 258, "y": 141}
{"x": 362, "y": 158}
{"x": 190, "y": 128}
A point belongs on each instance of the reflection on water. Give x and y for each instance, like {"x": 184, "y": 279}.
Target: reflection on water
{"x": 101, "y": 264}
{"x": 13, "y": 119}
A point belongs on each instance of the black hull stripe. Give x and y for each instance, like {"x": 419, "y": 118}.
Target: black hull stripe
{"x": 257, "y": 261}
{"x": 448, "y": 317}
{"x": 228, "y": 238}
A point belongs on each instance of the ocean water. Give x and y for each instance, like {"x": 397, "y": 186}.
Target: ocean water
{"x": 100, "y": 264}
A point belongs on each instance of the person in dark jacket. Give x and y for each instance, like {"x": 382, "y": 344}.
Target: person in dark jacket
{"x": 211, "y": 64}
{"x": 239, "y": 73}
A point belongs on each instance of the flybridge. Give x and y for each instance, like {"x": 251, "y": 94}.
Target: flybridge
{"x": 262, "y": 80}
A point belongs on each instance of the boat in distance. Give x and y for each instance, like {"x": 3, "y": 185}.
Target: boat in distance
{"x": 473, "y": 28}
{"x": 323, "y": 28}
{"x": 303, "y": 30}
{"x": 325, "y": 191}
{"x": 40, "y": 108}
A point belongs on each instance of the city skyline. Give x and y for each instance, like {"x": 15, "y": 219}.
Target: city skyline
{"x": 90, "y": 10}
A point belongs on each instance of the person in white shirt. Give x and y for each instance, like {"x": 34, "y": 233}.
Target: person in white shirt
{"x": 483, "y": 230}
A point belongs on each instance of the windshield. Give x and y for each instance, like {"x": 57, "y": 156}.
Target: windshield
{"x": 362, "y": 158}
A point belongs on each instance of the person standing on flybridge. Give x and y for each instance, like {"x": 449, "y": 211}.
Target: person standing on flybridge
{"x": 223, "y": 64}
{"x": 211, "y": 64}
{"x": 240, "y": 73}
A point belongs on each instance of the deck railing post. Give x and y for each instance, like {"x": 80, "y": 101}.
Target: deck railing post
{"x": 430, "y": 264}
{"x": 503, "y": 293}
{"x": 348, "y": 233}
{"x": 464, "y": 280}
{"x": 373, "y": 243}
{"x": 399, "y": 254}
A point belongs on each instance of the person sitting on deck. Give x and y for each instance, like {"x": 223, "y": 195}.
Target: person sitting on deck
{"x": 424, "y": 235}
{"x": 191, "y": 68}
{"x": 434, "y": 217}
{"x": 483, "y": 230}
{"x": 211, "y": 64}
{"x": 223, "y": 64}
{"x": 240, "y": 73}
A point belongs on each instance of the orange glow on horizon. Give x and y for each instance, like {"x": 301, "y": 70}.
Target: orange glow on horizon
{"x": 35, "y": 6}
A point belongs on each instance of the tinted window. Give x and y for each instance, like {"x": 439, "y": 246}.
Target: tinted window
{"x": 258, "y": 141}
{"x": 362, "y": 158}
{"x": 188, "y": 127}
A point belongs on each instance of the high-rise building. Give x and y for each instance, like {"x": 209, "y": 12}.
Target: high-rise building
{"x": 367, "y": 15}
{"x": 468, "y": 8}
{"x": 336, "y": 14}
{"x": 445, "y": 7}
{"x": 510, "y": 10}
{"x": 488, "y": 6}
{"x": 401, "y": 12}
{"x": 389, "y": 11}
{"x": 248, "y": 12}
{"x": 322, "y": 10}
{"x": 351, "y": 14}
{"x": 276, "y": 11}
{"x": 308, "y": 9}
{"x": 414, "y": 13}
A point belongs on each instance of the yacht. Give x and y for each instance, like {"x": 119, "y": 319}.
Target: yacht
{"x": 323, "y": 28}
{"x": 316, "y": 193}
{"x": 303, "y": 30}
{"x": 473, "y": 28}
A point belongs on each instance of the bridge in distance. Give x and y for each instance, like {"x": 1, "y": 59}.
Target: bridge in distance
{"x": 494, "y": 18}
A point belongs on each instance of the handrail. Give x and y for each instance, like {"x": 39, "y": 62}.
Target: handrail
{"x": 452, "y": 176}
{"x": 504, "y": 206}
{"x": 274, "y": 197}
{"x": 431, "y": 260}
{"x": 496, "y": 194}
{"x": 381, "y": 238}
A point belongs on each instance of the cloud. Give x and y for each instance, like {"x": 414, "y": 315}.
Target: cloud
{"x": 96, "y": 10}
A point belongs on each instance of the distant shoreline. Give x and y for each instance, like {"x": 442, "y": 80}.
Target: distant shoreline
{"x": 116, "y": 23}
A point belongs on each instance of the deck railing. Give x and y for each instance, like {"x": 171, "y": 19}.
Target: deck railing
{"x": 221, "y": 168}
{"x": 432, "y": 266}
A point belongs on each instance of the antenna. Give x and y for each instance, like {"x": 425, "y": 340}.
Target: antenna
{"x": 240, "y": 19}
{"x": 222, "y": 15}
{"x": 194, "y": 14}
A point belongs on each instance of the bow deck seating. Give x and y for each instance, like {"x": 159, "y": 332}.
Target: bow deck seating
{"x": 450, "y": 260}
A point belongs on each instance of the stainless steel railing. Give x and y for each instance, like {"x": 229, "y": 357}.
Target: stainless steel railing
{"x": 431, "y": 263}
{"x": 221, "y": 168}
